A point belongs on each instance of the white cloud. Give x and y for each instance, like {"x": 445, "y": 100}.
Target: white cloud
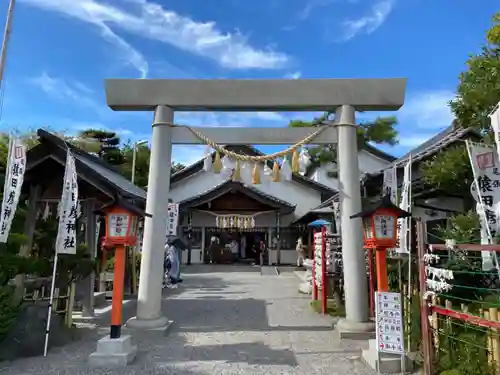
{"x": 312, "y": 5}
{"x": 187, "y": 155}
{"x": 428, "y": 110}
{"x": 151, "y": 20}
{"x": 368, "y": 23}
{"x": 293, "y": 75}
{"x": 61, "y": 89}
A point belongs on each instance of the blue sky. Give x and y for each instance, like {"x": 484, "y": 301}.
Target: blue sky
{"x": 61, "y": 50}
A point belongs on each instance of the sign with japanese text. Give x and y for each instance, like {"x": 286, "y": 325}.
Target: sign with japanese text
{"x": 389, "y": 318}
{"x": 68, "y": 209}
{"x": 14, "y": 177}
{"x": 404, "y": 224}
{"x": 172, "y": 219}
{"x": 118, "y": 225}
{"x": 336, "y": 215}
{"x": 486, "y": 191}
{"x": 391, "y": 184}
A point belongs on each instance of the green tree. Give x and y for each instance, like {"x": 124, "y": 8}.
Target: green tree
{"x": 380, "y": 131}
{"x": 478, "y": 92}
{"x": 109, "y": 149}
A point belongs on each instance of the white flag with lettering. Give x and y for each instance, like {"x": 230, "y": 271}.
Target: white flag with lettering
{"x": 14, "y": 177}
{"x": 391, "y": 184}
{"x": 68, "y": 209}
{"x": 404, "y": 224}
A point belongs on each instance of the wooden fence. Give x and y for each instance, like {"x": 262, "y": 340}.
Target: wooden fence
{"x": 460, "y": 309}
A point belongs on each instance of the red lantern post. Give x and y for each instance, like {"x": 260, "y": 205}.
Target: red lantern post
{"x": 380, "y": 232}
{"x": 314, "y": 284}
{"x": 121, "y": 231}
{"x": 324, "y": 290}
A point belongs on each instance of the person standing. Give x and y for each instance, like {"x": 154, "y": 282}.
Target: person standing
{"x": 301, "y": 255}
{"x": 212, "y": 248}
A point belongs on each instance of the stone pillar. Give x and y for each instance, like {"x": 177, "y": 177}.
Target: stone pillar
{"x": 149, "y": 301}
{"x": 353, "y": 255}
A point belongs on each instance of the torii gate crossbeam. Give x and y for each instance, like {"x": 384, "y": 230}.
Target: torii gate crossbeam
{"x": 164, "y": 96}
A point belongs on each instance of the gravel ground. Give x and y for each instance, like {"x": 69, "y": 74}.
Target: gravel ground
{"x": 227, "y": 320}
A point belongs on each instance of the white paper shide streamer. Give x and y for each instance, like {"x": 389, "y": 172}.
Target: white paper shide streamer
{"x": 16, "y": 165}
{"x": 66, "y": 234}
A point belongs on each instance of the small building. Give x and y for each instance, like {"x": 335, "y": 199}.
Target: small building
{"x": 269, "y": 208}
{"x": 430, "y": 203}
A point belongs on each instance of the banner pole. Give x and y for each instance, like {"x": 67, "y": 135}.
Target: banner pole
{"x": 51, "y": 301}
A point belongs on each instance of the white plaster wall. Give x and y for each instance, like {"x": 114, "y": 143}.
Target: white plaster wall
{"x": 368, "y": 163}
{"x": 303, "y": 197}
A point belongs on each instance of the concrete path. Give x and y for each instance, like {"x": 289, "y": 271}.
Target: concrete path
{"x": 228, "y": 320}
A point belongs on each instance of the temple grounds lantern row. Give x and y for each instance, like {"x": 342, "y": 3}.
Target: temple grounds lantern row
{"x": 343, "y": 97}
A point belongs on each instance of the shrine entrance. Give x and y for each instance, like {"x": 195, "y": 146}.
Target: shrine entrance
{"x": 343, "y": 97}
{"x": 238, "y": 221}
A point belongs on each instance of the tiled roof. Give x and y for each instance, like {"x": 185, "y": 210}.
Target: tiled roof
{"x": 436, "y": 143}
{"x": 103, "y": 171}
{"x": 228, "y": 186}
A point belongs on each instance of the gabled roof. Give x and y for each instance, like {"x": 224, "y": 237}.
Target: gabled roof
{"x": 441, "y": 140}
{"x": 106, "y": 176}
{"x": 372, "y": 150}
{"x": 252, "y": 151}
{"x": 379, "y": 153}
{"x": 232, "y": 186}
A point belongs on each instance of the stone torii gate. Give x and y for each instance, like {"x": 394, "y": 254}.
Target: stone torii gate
{"x": 165, "y": 96}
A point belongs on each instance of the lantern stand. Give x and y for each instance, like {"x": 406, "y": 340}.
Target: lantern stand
{"x": 121, "y": 231}
{"x": 380, "y": 233}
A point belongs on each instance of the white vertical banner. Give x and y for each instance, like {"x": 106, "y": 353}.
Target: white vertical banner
{"x": 495, "y": 126}
{"x": 486, "y": 191}
{"x": 66, "y": 235}
{"x": 172, "y": 219}
{"x": 336, "y": 215}
{"x": 68, "y": 209}
{"x": 14, "y": 177}
{"x": 391, "y": 184}
{"x": 404, "y": 224}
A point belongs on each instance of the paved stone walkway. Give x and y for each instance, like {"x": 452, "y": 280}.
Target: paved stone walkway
{"x": 228, "y": 320}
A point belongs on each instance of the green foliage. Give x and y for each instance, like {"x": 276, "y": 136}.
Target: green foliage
{"x": 463, "y": 228}
{"x": 449, "y": 170}
{"x": 479, "y": 88}
{"x": 109, "y": 145}
{"x": 380, "y": 131}
{"x": 478, "y": 92}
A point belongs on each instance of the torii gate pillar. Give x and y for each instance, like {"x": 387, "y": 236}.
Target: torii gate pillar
{"x": 165, "y": 96}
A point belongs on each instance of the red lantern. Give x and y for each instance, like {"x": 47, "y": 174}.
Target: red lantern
{"x": 121, "y": 231}
{"x": 121, "y": 227}
{"x": 380, "y": 232}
